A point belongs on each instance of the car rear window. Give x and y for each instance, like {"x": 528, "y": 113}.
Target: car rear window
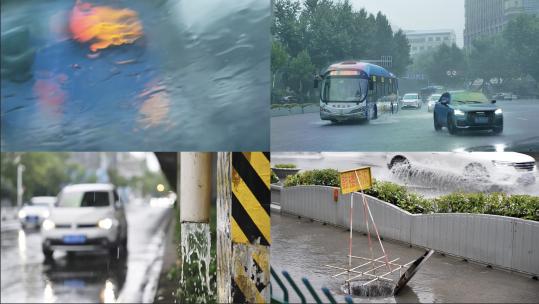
{"x": 84, "y": 199}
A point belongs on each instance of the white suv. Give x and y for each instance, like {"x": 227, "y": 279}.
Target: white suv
{"x": 87, "y": 217}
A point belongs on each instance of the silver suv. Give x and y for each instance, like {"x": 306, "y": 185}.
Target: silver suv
{"x": 87, "y": 217}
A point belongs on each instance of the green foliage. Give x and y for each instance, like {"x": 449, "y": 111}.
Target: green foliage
{"x": 44, "y": 173}
{"x": 522, "y": 36}
{"x": 274, "y": 178}
{"x": 321, "y": 32}
{"x": 520, "y": 206}
{"x": 399, "y": 196}
{"x": 324, "y": 177}
{"x": 285, "y": 166}
{"x": 446, "y": 58}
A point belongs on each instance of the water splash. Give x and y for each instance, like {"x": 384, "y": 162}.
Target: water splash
{"x": 445, "y": 180}
{"x": 375, "y": 289}
{"x": 195, "y": 281}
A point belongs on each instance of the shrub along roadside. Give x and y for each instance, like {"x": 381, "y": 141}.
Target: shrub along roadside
{"x": 520, "y": 206}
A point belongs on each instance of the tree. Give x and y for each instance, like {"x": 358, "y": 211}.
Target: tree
{"x": 322, "y": 32}
{"x": 301, "y": 72}
{"x": 279, "y": 59}
{"x": 491, "y": 58}
{"x": 446, "y": 58}
{"x": 522, "y": 35}
{"x": 400, "y": 53}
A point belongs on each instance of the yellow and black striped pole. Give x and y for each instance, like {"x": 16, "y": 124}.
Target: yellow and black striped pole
{"x": 247, "y": 204}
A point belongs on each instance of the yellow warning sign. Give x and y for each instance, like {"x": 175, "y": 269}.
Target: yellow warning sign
{"x": 356, "y": 180}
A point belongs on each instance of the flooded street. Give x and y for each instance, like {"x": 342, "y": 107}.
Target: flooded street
{"x": 184, "y": 76}
{"x": 84, "y": 277}
{"x": 302, "y": 248}
{"x": 425, "y": 180}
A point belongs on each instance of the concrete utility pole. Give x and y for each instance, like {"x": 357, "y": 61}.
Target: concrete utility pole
{"x": 194, "y": 185}
{"x": 243, "y": 227}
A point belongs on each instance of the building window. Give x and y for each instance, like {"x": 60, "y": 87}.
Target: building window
{"x": 446, "y": 38}
{"x": 438, "y": 39}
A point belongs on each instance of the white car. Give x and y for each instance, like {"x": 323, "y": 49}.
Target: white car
{"x": 38, "y": 209}
{"x": 500, "y": 167}
{"x": 87, "y": 217}
{"x": 411, "y": 100}
{"x": 433, "y": 99}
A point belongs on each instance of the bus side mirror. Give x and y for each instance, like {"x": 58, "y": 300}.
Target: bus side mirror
{"x": 316, "y": 82}
{"x": 371, "y": 85}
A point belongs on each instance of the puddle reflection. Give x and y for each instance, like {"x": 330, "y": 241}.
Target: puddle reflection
{"x": 86, "y": 277}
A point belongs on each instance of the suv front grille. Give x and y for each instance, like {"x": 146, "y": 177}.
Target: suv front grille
{"x": 526, "y": 166}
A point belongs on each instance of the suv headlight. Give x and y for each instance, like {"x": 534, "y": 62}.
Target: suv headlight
{"x": 498, "y": 163}
{"x": 48, "y": 224}
{"x": 498, "y": 112}
{"x": 22, "y": 214}
{"x": 459, "y": 112}
{"x": 105, "y": 223}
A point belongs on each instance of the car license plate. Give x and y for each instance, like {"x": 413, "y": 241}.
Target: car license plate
{"x": 32, "y": 219}
{"x": 74, "y": 239}
{"x": 481, "y": 120}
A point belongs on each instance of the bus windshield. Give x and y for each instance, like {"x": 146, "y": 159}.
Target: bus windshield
{"x": 344, "y": 89}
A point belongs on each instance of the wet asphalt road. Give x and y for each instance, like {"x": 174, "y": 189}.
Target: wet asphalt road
{"x": 408, "y": 130}
{"x": 303, "y": 248}
{"x": 85, "y": 277}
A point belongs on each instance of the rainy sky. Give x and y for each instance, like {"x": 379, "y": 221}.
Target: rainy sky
{"x": 420, "y": 14}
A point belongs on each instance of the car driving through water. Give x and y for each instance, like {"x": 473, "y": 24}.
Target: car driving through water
{"x": 411, "y": 100}
{"x": 508, "y": 168}
{"x": 465, "y": 110}
{"x": 32, "y": 214}
{"x": 351, "y": 90}
{"x": 88, "y": 217}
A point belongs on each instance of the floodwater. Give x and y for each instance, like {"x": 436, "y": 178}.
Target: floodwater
{"x": 162, "y": 75}
{"x": 421, "y": 179}
{"x": 84, "y": 277}
{"x": 302, "y": 248}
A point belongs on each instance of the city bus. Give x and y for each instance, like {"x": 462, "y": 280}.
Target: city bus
{"x": 353, "y": 90}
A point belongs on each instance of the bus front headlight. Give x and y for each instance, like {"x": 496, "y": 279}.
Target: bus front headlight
{"x": 498, "y": 112}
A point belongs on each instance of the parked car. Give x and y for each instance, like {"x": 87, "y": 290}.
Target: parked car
{"x": 505, "y": 96}
{"x": 504, "y": 167}
{"x": 411, "y": 100}
{"x": 87, "y": 217}
{"x": 465, "y": 110}
{"x": 433, "y": 99}
{"x": 32, "y": 214}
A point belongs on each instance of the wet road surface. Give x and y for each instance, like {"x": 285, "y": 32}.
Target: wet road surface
{"x": 302, "y": 248}
{"x": 408, "y": 130}
{"x": 195, "y": 80}
{"x": 426, "y": 181}
{"x": 84, "y": 277}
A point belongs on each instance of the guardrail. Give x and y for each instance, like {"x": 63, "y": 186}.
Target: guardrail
{"x": 500, "y": 241}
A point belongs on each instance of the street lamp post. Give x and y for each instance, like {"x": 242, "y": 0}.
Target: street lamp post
{"x": 20, "y": 190}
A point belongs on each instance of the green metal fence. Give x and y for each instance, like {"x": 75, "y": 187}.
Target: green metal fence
{"x": 298, "y": 292}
